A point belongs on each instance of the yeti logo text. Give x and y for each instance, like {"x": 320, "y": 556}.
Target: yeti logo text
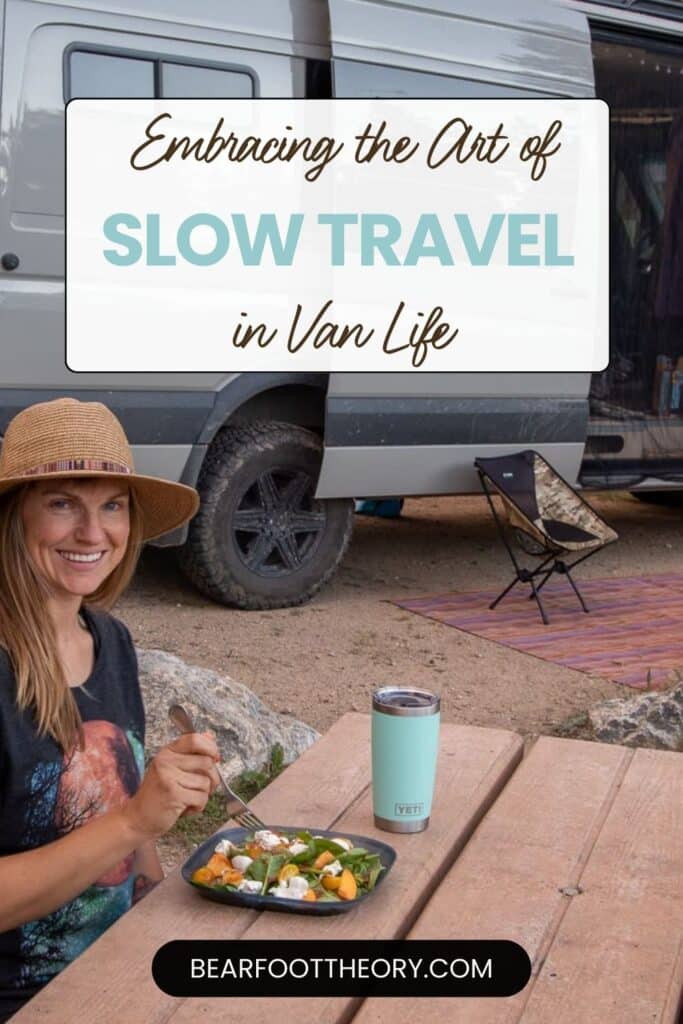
{"x": 408, "y": 810}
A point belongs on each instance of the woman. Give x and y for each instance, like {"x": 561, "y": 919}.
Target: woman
{"x": 78, "y": 818}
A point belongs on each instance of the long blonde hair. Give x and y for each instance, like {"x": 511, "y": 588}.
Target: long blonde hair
{"x": 26, "y": 629}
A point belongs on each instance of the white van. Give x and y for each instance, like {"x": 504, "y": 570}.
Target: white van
{"x": 279, "y": 457}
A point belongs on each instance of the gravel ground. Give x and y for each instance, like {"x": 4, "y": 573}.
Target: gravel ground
{"x": 322, "y": 659}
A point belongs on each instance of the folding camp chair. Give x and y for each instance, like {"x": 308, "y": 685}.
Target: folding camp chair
{"x": 550, "y": 519}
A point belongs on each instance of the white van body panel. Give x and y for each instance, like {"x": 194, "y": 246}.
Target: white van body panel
{"x": 429, "y": 469}
{"x": 534, "y": 45}
{"x": 453, "y": 48}
{"x": 267, "y": 38}
{"x": 270, "y": 26}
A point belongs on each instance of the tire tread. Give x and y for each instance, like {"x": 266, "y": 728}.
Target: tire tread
{"x": 199, "y": 558}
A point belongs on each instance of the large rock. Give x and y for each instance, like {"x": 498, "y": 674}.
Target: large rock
{"x": 651, "y": 720}
{"x": 246, "y": 729}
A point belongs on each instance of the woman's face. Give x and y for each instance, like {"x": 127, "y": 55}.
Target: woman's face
{"x": 76, "y": 531}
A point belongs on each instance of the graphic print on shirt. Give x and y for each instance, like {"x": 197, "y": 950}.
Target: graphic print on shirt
{"x": 64, "y": 796}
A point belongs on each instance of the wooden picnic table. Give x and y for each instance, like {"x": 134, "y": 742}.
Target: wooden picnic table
{"x": 573, "y": 850}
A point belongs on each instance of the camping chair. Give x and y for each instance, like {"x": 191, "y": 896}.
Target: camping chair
{"x": 551, "y": 521}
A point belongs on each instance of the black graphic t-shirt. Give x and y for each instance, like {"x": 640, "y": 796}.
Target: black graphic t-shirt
{"x": 45, "y": 795}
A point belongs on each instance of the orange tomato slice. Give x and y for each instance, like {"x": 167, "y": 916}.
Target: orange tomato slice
{"x": 217, "y": 864}
{"x": 325, "y": 858}
{"x": 203, "y": 876}
{"x": 348, "y": 890}
{"x": 231, "y": 876}
{"x": 286, "y": 872}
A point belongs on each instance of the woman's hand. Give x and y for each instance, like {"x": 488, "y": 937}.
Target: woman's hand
{"x": 178, "y": 781}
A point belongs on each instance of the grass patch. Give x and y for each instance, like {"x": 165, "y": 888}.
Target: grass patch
{"x": 194, "y": 830}
{"x": 574, "y": 727}
{"x": 248, "y": 784}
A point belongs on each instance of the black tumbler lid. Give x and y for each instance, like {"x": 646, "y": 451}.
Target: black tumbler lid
{"x": 406, "y": 701}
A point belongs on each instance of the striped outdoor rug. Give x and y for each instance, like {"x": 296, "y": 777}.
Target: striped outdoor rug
{"x": 633, "y": 633}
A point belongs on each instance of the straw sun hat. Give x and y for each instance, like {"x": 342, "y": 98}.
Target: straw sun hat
{"x": 68, "y": 438}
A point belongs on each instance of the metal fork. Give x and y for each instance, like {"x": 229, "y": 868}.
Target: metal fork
{"x": 235, "y": 807}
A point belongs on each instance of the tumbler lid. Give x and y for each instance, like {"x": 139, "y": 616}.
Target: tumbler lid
{"x": 396, "y": 700}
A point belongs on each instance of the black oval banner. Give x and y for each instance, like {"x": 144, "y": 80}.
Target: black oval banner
{"x": 408, "y": 968}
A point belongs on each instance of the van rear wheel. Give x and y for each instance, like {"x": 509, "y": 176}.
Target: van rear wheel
{"x": 261, "y": 539}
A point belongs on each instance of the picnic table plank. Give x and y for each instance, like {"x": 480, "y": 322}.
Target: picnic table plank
{"x": 507, "y": 882}
{"x": 673, "y": 1007}
{"x": 112, "y": 980}
{"x": 616, "y": 956}
{"x": 474, "y": 765}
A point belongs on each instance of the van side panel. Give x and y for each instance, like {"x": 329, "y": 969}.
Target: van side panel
{"x": 534, "y": 46}
{"x": 267, "y": 38}
{"x": 2, "y": 33}
{"x": 394, "y": 434}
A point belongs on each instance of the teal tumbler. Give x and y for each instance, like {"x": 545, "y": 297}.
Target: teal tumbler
{"x": 405, "y": 742}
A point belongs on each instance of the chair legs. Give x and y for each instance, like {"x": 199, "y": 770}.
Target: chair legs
{"x": 506, "y": 591}
{"x": 546, "y": 577}
{"x": 576, "y": 590}
{"x": 542, "y": 569}
{"x": 534, "y": 593}
{"x": 559, "y": 567}
{"x": 525, "y": 576}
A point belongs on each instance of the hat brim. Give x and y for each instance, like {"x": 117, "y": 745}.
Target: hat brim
{"x": 164, "y": 505}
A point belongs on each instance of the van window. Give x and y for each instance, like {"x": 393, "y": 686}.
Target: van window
{"x": 190, "y": 81}
{"x": 104, "y": 75}
{"x": 107, "y": 76}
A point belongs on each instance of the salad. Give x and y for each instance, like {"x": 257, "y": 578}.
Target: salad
{"x": 291, "y": 867}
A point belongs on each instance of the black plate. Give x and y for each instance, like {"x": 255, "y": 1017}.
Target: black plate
{"x": 198, "y": 859}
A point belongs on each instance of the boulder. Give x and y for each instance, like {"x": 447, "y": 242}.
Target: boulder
{"x": 246, "y": 729}
{"x": 650, "y": 720}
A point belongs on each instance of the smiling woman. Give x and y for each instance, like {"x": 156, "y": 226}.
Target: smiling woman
{"x": 76, "y": 531}
{"x": 78, "y": 813}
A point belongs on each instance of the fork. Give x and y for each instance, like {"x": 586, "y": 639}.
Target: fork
{"x": 235, "y": 807}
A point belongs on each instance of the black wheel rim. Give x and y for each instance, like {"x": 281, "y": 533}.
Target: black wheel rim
{"x": 277, "y": 524}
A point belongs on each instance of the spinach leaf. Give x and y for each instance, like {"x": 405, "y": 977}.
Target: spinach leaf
{"x": 305, "y": 855}
{"x": 275, "y": 863}
{"x": 256, "y": 870}
{"x": 375, "y": 872}
{"x": 320, "y": 845}
{"x": 356, "y": 853}
{"x": 265, "y": 877}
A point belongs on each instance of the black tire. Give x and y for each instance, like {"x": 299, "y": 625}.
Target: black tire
{"x": 262, "y": 476}
{"x": 670, "y": 498}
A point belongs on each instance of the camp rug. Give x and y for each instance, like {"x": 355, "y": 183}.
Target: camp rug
{"x": 631, "y": 635}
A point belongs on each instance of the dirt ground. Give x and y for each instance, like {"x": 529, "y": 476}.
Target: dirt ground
{"x": 320, "y": 660}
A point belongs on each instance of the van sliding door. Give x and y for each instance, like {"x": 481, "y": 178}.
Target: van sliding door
{"x": 636, "y": 424}
{"x": 395, "y": 434}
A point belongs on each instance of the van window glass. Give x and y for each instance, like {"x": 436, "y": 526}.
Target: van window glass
{"x": 188, "y": 81}
{"x": 105, "y": 75}
{"x": 642, "y": 81}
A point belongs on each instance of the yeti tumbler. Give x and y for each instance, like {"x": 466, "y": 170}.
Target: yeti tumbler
{"x": 405, "y": 740}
